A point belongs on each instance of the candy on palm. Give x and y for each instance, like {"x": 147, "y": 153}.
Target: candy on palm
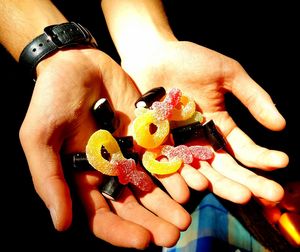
{"x": 152, "y": 163}
{"x": 147, "y": 99}
{"x": 151, "y": 126}
{"x": 148, "y": 131}
{"x": 186, "y": 110}
{"x": 196, "y": 117}
{"x": 180, "y": 152}
{"x": 94, "y": 152}
{"x": 164, "y": 109}
{"x": 201, "y": 152}
{"x": 174, "y": 157}
{"x": 104, "y": 154}
{"x": 129, "y": 173}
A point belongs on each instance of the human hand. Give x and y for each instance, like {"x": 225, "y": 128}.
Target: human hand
{"x": 59, "y": 121}
{"x": 206, "y": 76}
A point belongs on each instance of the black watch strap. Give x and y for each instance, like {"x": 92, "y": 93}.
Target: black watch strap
{"x": 54, "y": 38}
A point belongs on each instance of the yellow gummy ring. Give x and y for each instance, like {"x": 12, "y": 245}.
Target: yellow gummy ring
{"x": 159, "y": 167}
{"x": 142, "y": 130}
{"x": 93, "y": 152}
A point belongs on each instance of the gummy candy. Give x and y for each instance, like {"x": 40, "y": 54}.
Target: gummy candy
{"x": 186, "y": 110}
{"x": 201, "y": 152}
{"x": 128, "y": 173}
{"x": 163, "y": 110}
{"x": 153, "y": 165}
{"x": 142, "y": 130}
{"x": 196, "y": 117}
{"x": 99, "y": 139}
{"x": 187, "y": 154}
{"x": 104, "y": 154}
{"x": 181, "y": 152}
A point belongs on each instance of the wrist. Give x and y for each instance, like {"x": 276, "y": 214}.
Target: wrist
{"x": 136, "y": 26}
{"x": 54, "y": 38}
{"x": 140, "y": 46}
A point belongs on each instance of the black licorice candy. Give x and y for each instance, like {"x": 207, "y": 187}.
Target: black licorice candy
{"x": 111, "y": 188}
{"x": 188, "y": 132}
{"x": 214, "y": 137}
{"x": 146, "y": 100}
{"x": 125, "y": 142}
{"x": 78, "y": 162}
{"x": 104, "y": 115}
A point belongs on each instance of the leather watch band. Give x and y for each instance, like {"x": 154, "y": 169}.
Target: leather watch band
{"x": 54, "y": 38}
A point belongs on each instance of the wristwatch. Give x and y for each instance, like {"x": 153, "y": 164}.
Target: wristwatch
{"x": 54, "y": 38}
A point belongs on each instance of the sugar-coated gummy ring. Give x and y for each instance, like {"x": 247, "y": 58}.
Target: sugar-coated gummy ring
{"x": 159, "y": 167}
{"x": 93, "y": 152}
{"x": 187, "y": 110}
{"x": 142, "y": 132}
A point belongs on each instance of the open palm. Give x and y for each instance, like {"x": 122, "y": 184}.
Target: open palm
{"x": 206, "y": 76}
{"x": 59, "y": 121}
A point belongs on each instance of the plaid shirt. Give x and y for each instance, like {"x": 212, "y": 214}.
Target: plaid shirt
{"x": 213, "y": 228}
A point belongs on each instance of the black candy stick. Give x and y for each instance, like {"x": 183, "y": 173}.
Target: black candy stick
{"x": 146, "y": 100}
{"x": 196, "y": 130}
{"x": 104, "y": 115}
{"x": 78, "y": 162}
{"x": 111, "y": 188}
{"x": 188, "y": 132}
{"x": 214, "y": 137}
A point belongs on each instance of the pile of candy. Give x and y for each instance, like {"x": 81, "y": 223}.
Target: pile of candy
{"x": 164, "y": 124}
{"x": 153, "y": 126}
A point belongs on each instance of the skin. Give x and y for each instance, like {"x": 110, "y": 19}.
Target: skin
{"x": 59, "y": 121}
{"x": 158, "y": 58}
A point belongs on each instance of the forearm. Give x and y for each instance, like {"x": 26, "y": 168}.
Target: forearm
{"x": 136, "y": 24}
{"x": 21, "y": 21}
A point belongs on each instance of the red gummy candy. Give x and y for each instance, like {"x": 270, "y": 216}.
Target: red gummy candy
{"x": 173, "y": 97}
{"x": 164, "y": 109}
{"x": 141, "y": 180}
{"x": 201, "y": 152}
{"x": 181, "y": 152}
{"x": 128, "y": 173}
{"x": 125, "y": 169}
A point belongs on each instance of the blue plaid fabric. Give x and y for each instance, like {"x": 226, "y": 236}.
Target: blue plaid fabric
{"x": 213, "y": 228}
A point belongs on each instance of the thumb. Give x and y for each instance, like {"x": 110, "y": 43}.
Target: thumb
{"x": 48, "y": 179}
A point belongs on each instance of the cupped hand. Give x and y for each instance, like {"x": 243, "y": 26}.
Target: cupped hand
{"x": 207, "y": 75}
{"x": 59, "y": 121}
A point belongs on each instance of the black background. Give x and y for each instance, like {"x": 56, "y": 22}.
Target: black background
{"x": 261, "y": 37}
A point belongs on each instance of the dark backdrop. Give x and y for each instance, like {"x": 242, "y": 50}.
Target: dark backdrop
{"x": 262, "y": 38}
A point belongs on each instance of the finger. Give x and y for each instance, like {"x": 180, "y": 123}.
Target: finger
{"x": 258, "y": 185}
{"x": 163, "y": 233}
{"x": 48, "y": 179}
{"x": 103, "y": 222}
{"x": 225, "y": 187}
{"x": 163, "y": 206}
{"x": 253, "y": 155}
{"x": 258, "y": 101}
{"x": 194, "y": 178}
{"x": 176, "y": 186}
